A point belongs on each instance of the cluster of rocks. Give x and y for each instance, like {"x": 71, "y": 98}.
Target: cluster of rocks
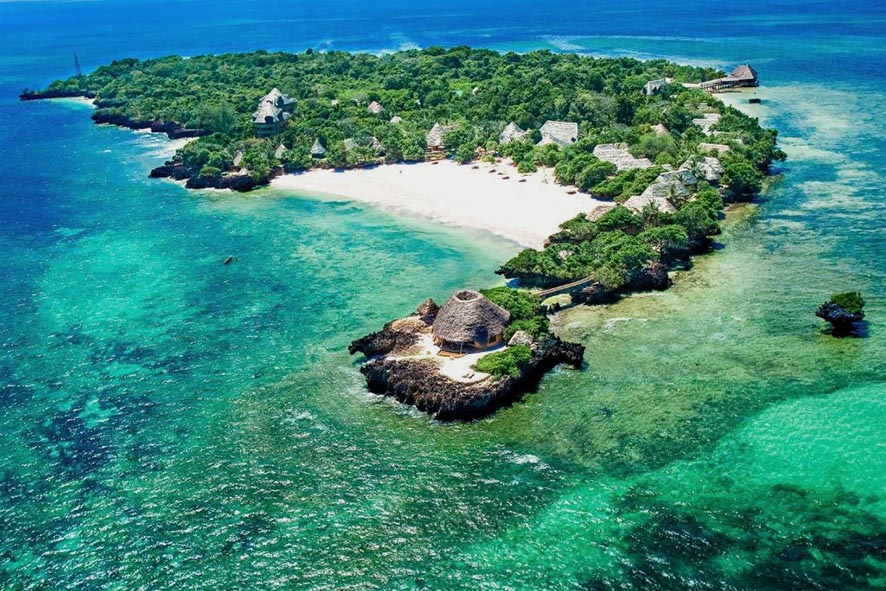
{"x": 235, "y": 180}
{"x": 652, "y": 277}
{"x": 419, "y": 382}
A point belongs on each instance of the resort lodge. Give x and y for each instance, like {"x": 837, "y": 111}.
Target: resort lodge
{"x": 469, "y": 320}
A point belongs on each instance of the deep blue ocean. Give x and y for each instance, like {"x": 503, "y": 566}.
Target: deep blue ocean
{"x": 167, "y": 422}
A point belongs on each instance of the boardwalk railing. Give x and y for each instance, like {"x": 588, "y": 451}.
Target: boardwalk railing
{"x": 566, "y": 288}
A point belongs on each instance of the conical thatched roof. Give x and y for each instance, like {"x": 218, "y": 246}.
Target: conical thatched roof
{"x": 469, "y": 316}
{"x": 318, "y": 150}
{"x": 745, "y": 73}
{"x": 434, "y": 138}
{"x": 511, "y": 133}
{"x": 562, "y": 133}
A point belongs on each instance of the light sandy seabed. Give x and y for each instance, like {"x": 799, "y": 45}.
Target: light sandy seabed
{"x": 524, "y": 212}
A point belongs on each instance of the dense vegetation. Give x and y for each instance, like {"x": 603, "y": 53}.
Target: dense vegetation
{"x": 851, "y": 301}
{"x": 621, "y": 244}
{"x": 475, "y": 93}
{"x": 507, "y": 362}
{"x": 525, "y": 309}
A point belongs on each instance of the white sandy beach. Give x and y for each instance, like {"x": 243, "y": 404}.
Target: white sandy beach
{"x": 482, "y": 197}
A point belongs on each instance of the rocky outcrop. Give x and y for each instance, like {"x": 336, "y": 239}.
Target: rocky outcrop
{"x": 235, "y": 181}
{"x": 844, "y": 322}
{"x": 390, "y": 371}
{"x": 652, "y": 277}
{"x": 34, "y": 95}
{"x": 172, "y": 129}
{"x": 418, "y": 382}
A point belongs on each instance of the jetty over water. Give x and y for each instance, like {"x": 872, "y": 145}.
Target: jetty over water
{"x": 742, "y": 77}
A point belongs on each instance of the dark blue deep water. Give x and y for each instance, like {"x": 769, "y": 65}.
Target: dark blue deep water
{"x": 167, "y": 422}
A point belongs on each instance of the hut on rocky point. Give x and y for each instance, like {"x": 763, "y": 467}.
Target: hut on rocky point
{"x": 469, "y": 320}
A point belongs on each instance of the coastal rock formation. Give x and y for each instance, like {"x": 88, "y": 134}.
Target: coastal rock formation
{"x": 173, "y": 169}
{"x": 33, "y": 95}
{"x": 393, "y": 369}
{"x": 172, "y": 129}
{"x": 419, "y": 383}
{"x": 845, "y": 313}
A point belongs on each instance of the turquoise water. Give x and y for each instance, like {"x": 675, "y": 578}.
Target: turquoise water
{"x": 170, "y": 422}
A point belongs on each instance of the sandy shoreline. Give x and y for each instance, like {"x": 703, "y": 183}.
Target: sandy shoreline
{"x": 481, "y": 196}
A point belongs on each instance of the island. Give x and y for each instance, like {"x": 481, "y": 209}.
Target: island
{"x": 845, "y": 313}
{"x": 475, "y": 354}
{"x": 641, "y": 154}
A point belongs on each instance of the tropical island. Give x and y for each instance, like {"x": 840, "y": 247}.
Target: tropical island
{"x": 620, "y": 168}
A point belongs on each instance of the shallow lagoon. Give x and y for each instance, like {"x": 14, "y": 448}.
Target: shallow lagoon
{"x": 167, "y": 421}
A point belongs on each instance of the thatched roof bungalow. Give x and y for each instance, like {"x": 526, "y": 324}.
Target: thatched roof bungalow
{"x": 620, "y": 155}
{"x": 469, "y": 320}
{"x": 272, "y": 112}
{"x": 661, "y": 130}
{"x": 318, "y": 150}
{"x": 654, "y": 87}
{"x": 743, "y": 76}
{"x": 719, "y": 148}
{"x": 707, "y": 121}
{"x": 561, "y": 133}
{"x": 280, "y": 151}
{"x": 376, "y": 108}
{"x": 434, "y": 141}
{"x": 665, "y": 193}
{"x": 511, "y": 133}
{"x": 706, "y": 167}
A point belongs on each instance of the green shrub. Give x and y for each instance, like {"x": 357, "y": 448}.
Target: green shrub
{"x": 509, "y": 362}
{"x": 524, "y": 308}
{"x": 209, "y": 171}
{"x": 851, "y": 301}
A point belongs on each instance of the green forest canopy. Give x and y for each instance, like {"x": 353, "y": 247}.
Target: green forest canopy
{"x": 476, "y": 92}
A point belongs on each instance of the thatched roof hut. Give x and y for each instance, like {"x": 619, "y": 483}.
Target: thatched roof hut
{"x": 470, "y": 319}
{"x": 318, "y": 150}
{"x": 350, "y": 144}
{"x": 562, "y": 133}
{"x": 746, "y": 75}
{"x": 707, "y": 167}
{"x": 511, "y": 133}
{"x": 654, "y": 87}
{"x": 620, "y": 155}
{"x": 238, "y": 158}
{"x": 434, "y": 138}
{"x": 396, "y": 119}
{"x": 707, "y": 121}
{"x": 668, "y": 190}
{"x": 660, "y": 129}
{"x": 376, "y": 108}
{"x": 272, "y": 112}
{"x": 720, "y": 148}
{"x": 280, "y": 151}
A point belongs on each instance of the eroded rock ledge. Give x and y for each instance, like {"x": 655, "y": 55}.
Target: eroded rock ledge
{"x": 393, "y": 370}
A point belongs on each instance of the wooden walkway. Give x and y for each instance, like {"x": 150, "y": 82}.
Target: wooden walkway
{"x": 566, "y": 288}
